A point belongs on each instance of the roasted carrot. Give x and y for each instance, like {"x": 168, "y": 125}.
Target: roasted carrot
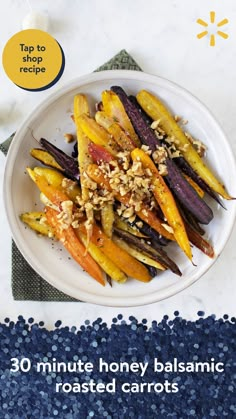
{"x": 81, "y": 107}
{"x": 97, "y": 134}
{"x": 137, "y": 254}
{"x": 53, "y": 177}
{"x": 166, "y": 201}
{"x": 177, "y": 183}
{"x": 123, "y": 225}
{"x": 195, "y": 186}
{"x": 115, "y": 109}
{"x": 99, "y": 153}
{"x": 120, "y": 257}
{"x": 124, "y": 141}
{"x": 77, "y": 250}
{"x": 68, "y": 163}
{"x": 58, "y": 180}
{"x": 107, "y": 219}
{"x": 106, "y": 264}
{"x": 199, "y": 241}
{"x": 37, "y": 222}
{"x": 55, "y": 195}
{"x": 144, "y": 213}
{"x": 157, "y": 111}
{"x": 46, "y": 158}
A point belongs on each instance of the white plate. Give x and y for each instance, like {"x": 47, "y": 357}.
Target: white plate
{"x": 50, "y": 120}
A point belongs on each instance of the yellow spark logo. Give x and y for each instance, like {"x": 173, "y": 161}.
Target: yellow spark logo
{"x": 209, "y": 29}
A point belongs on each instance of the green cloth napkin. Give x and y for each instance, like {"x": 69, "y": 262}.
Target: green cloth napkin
{"x": 26, "y": 283}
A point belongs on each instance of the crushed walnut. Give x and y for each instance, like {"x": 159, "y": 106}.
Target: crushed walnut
{"x": 126, "y": 177}
{"x": 65, "y": 216}
{"x": 159, "y": 155}
{"x": 162, "y": 168}
{"x": 69, "y": 138}
{"x": 197, "y": 144}
{"x": 146, "y": 149}
{"x": 168, "y": 228}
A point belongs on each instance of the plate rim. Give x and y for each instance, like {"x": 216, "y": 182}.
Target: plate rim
{"x": 15, "y": 145}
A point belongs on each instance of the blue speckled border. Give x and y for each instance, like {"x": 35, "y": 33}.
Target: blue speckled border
{"x": 201, "y": 395}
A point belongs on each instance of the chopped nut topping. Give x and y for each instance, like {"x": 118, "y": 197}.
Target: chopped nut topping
{"x": 68, "y": 184}
{"x": 69, "y": 138}
{"x": 168, "y": 228}
{"x": 137, "y": 168}
{"x": 155, "y": 124}
{"x": 175, "y": 154}
{"x": 128, "y": 212}
{"x": 162, "y": 169}
{"x": 184, "y": 148}
{"x": 75, "y": 224}
{"x": 159, "y": 135}
{"x": 198, "y": 145}
{"x": 89, "y": 183}
{"x": 43, "y": 220}
{"x": 65, "y": 216}
{"x": 160, "y": 155}
{"x": 146, "y": 149}
{"x": 177, "y": 118}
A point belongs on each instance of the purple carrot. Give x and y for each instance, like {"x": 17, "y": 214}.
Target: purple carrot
{"x": 178, "y": 184}
{"x": 191, "y": 220}
{"x": 180, "y": 161}
{"x": 153, "y": 271}
{"x": 153, "y": 250}
{"x": 69, "y": 164}
{"x": 154, "y": 236}
{"x": 188, "y": 170}
{"x": 142, "y": 112}
{"x": 186, "y": 194}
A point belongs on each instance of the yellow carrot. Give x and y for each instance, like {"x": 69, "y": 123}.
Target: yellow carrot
{"x": 144, "y": 213}
{"x": 157, "y": 111}
{"x": 38, "y": 222}
{"x": 166, "y": 201}
{"x": 122, "y": 225}
{"x": 81, "y": 107}
{"x": 107, "y": 218}
{"x": 97, "y": 134}
{"x": 106, "y": 264}
{"x": 59, "y": 181}
{"x": 46, "y": 158}
{"x": 137, "y": 254}
{"x": 115, "y": 109}
{"x": 120, "y": 136}
{"x": 55, "y": 195}
{"x": 120, "y": 257}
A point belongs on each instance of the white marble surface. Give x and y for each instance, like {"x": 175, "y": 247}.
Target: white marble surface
{"x": 161, "y": 36}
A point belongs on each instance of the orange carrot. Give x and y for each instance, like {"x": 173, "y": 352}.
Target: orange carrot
{"x": 166, "y": 201}
{"x": 195, "y": 186}
{"x": 144, "y": 213}
{"x": 120, "y": 257}
{"x": 77, "y": 250}
{"x": 55, "y": 195}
